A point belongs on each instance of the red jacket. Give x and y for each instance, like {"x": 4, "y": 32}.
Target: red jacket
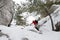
{"x": 35, "y": 22}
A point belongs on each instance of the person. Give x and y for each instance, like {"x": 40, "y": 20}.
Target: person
{"x": 35, "y": 22}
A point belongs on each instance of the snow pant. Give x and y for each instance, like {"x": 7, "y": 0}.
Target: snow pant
{"x": 37, "y": 27}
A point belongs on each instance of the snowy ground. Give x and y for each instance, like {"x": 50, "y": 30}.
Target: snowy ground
{"x": 20, "y": 33}
{"x": 17, "y": 33}
{"x": 23, "y": 33}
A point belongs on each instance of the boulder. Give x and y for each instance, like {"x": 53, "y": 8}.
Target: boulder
{"x": 6, "y": 12}
{"x": 57, "y": 26}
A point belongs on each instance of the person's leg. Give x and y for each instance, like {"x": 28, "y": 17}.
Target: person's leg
{"x": 37, "y": 28}
{"x": 39, "y": 31}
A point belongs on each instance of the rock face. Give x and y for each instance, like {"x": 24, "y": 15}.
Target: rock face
{"x": 6, "y": 12}
{"x": 57, "y": 26}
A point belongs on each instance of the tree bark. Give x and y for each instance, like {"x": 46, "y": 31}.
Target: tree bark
{"x": 51, "y": 22}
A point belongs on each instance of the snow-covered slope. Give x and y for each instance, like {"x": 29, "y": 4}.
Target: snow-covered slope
{"x": 17, "y": 33}
{"x": 24, "y": 33}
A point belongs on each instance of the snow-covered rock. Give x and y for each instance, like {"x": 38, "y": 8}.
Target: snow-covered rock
{"x": 6, "y": 12}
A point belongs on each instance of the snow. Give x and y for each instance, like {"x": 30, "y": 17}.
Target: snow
{"x": 19, "y": 1}
{"x": 30, "y": 19}
{"x": 17, "y": 33}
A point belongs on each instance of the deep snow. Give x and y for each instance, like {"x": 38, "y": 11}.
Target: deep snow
{"x": 16, "y": 32}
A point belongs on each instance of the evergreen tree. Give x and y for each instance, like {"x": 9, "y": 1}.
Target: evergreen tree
{"x": 18, "y": 16}
{"x": 44, "y": 8}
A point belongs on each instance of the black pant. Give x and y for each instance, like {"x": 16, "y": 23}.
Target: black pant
{"x": 37, "y": 28}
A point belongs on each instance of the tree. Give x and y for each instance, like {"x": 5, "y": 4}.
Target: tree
{"x": 44, "y": 8}
{"x": 18, "y": 16}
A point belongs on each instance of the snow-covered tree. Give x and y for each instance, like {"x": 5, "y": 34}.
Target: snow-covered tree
{"x": 45, "y": 8}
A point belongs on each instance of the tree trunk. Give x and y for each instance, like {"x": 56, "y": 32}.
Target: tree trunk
{"x": 51, "y": 22}
{"x": 46, "y": 9}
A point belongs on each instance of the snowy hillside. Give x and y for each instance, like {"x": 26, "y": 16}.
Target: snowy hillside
{"x": 16, "y": 33}
{"x": 30, "y": 33}
{"x": 20, "y": 33}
